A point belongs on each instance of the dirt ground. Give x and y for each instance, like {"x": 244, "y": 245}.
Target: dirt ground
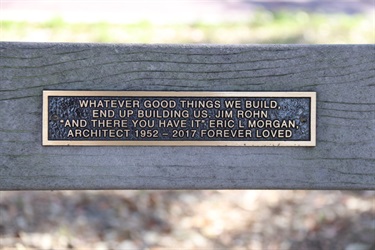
{"x": 188, "y": 220}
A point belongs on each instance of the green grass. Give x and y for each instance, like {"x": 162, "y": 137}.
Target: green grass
{"x": 261, "y": 27}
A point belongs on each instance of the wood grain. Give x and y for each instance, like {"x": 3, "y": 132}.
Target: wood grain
{"x": 342, "y": 75}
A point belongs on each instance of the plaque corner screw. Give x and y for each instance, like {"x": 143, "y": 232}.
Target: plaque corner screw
{"x": 303, "y": 119}
{"x": 54, "y": 117}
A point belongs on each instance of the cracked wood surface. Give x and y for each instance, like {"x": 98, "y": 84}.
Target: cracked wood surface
{"x": 342, "y": 75}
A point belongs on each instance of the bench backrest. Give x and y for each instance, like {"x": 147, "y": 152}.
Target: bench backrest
{"x": 343, "y": 76}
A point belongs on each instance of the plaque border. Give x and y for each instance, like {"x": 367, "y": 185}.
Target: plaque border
{"x": 47, "y": 93}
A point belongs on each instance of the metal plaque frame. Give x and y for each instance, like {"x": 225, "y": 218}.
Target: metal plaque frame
{"x": 71, "y": 93}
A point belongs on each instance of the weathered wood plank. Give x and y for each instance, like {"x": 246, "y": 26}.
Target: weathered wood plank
{"x": 342, "y": 75}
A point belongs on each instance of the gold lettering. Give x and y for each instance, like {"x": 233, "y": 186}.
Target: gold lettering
{"x": 271, "y": 124}
{"x": 143, "y": 123}
{"x": 261, "y": 104}
{"x": 160, "y": 104}
{"x": 224, "y": 114}
{"x": 200, "y": 114}
{"x": 233, "y": 104}
{"x": 221, "y": 123}
{"x": 75, "y": 123}
{"x": 172, "y": 124}
{"x": 103, "y": 113}
{"x": 109, "y": 123}
{"x": 162, "y": 113}
{"x": 125, "y": 113}
{"x": 70, "y": 133}
{"x": 252, "y": 114}
{"x": 226, "y": 133}
{"x": 83, "y": 103}
{"x": 97, "y": 133}
{"x": 279, "y": 133}
{"x": 200, "y": 104}
{"x": 109, "y": 103}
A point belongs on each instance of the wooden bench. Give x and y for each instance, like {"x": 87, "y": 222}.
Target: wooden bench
{"x": 342, "y": 75}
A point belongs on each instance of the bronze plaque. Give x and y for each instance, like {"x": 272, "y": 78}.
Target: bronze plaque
{"x": 152, "y": 118}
